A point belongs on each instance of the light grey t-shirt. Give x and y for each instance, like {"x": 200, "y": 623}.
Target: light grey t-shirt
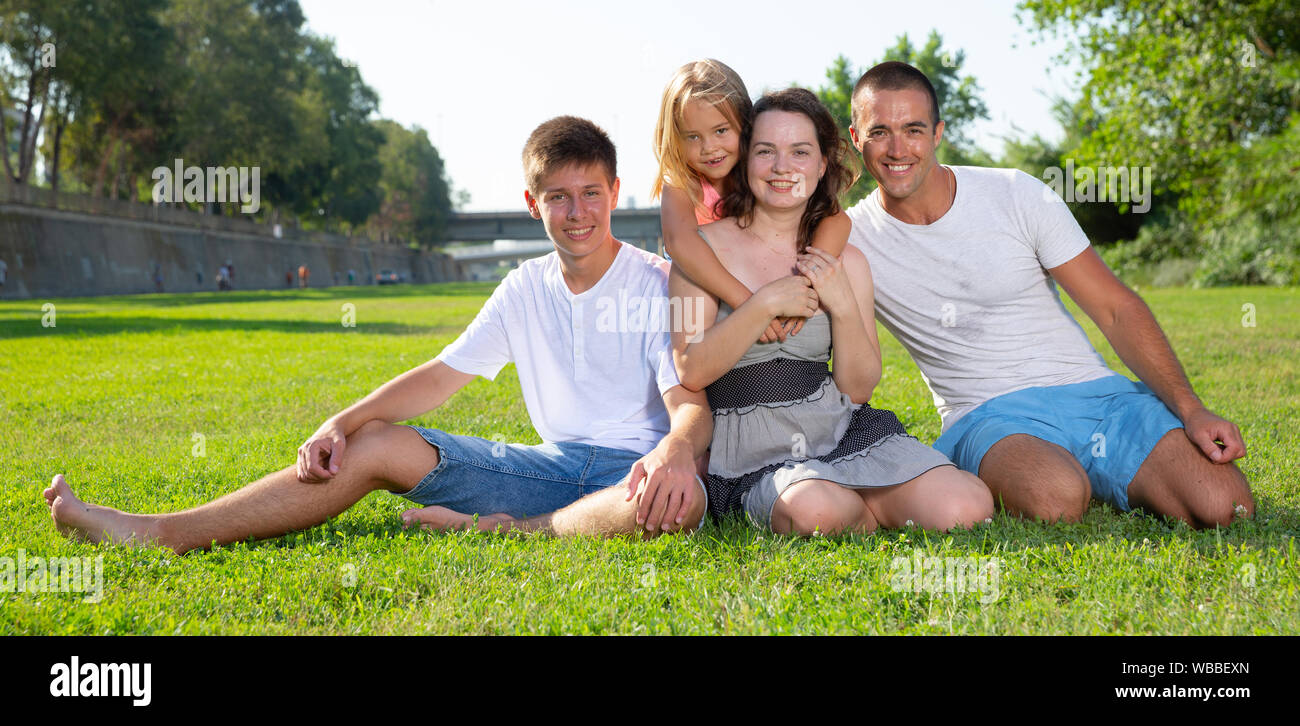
{"x": 969, "y": 295}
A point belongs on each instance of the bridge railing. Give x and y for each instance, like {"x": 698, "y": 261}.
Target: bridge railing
{"x": 32, "y": 196}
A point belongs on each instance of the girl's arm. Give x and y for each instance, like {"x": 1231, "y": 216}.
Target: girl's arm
{"x": 831, "y": 236}
{"x": 845, "y": 289}
{"x": 702, "y": 350}
{"x": 696, "y": 257}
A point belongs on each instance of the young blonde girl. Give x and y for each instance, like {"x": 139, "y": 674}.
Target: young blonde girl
{"x": 704, "y": 118}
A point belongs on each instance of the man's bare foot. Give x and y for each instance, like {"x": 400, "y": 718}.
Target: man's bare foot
{"x": 436, "y": 519}
{"x": 87, "y": 522}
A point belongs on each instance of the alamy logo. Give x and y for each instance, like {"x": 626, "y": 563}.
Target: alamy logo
{"x": 1130, "y": 185}
{"x": 53, "y": 574}
{"x": 624, "y": 313}
{"x": 214, "y": 185}
{"x": 75, "y": 679}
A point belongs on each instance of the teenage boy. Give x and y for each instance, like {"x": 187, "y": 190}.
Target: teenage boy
{"x": 966, "y": 262}
{"x": 621, "y": 434}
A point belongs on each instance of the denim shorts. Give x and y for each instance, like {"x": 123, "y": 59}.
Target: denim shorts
{"x": 478, "y": 476}
{"x": 1111, "y": 425}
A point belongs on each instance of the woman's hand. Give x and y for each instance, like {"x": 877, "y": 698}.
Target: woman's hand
{"x": 826, "y": 274}
{"x": 791, "y": 297}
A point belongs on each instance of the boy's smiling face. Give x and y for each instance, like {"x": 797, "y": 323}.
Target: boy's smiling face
{"x": 574, "y": 204}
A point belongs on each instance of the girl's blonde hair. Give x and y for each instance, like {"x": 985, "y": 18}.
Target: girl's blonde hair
{"x": 705, "y": 80}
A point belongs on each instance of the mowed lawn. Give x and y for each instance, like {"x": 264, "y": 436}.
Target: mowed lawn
{"x": 123, "y": 395}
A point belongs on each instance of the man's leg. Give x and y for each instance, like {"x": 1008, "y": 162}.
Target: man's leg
{"x": 604, "y": 513}
{"x": 1036, "y": 479}
{"x": 1176, "y": 480}
{"x": 378, "y": 456}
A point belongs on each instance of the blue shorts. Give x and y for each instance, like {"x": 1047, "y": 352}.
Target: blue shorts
{"x": 1110, "y": 425}
{"x": 478, "y": 476}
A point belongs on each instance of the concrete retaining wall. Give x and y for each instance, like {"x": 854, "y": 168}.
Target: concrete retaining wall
{"x": 57, "y": 253}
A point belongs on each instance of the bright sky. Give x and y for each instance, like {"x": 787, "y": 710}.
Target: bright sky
{"x": 479, "y": 76}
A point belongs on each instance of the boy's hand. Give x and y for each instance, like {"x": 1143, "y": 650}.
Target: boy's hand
{"x": 321, "y": 456}
{"x": 670, "y": 488}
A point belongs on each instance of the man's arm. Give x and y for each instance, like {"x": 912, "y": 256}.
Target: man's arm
{"x": 669, "y": 471}
{"x": 1133, "y": 332}
{"x": 411, "y": 394}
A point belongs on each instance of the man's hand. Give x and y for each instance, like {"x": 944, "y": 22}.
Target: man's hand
{"x": 670, "y": 487}
{"x": 321, "y": 456}
{"x": 1204, "y": 429}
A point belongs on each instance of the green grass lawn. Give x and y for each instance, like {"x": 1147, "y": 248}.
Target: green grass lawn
{"x": 114, "y": 395}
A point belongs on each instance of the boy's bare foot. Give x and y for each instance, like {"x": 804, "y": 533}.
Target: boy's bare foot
{"x": 436, "y": 518}
{"x": 78, "y": 520}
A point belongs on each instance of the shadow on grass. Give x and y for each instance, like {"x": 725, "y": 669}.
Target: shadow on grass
{"x": 733, "y": 538}
{"x": 357, "y": 292}
{"x": 95, "y": 325}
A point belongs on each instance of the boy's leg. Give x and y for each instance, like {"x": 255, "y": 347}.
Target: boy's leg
{"x": 604, "y": 513}
{"x": 379, "y": 456}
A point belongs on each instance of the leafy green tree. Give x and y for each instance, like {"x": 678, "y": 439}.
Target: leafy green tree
{"x": 339, "y": 181}
{"x": 416, "y": 194}
{"x": 958, "y": 95}
{"x": 1208, "y": 95}
{"x": 1183, "y": 86}
{"x": 1103, "y": 222}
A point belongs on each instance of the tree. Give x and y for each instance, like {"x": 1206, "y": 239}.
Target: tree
{"x": 1207, "y": 94}
{"x": 339, "y": 179}
{"x": 958, "y": 95}
{"x": 1180, "y": 85}
{"x": 416, "y": 195}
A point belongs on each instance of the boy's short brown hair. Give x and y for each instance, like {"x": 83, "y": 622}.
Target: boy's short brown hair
{"x": 566, "y": 140}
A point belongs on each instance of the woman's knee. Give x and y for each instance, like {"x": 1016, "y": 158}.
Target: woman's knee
{"x": 956, "y": 499}
{"x": 820, "y": 507}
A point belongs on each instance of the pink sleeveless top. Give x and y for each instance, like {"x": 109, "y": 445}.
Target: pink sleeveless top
{"x": 704, "y": 213}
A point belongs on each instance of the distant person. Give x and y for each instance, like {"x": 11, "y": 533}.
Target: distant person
{"x": 352, "y": 276}
{"x": 303, "y": 273}
{"x": 157, "y": 277}
{"x": 223, "y": 278}
{"x": 198, "y": 275}
{"x": 230, "y": 275}
{"x": 288, "y": 278}
{"x": 4, "y": 272}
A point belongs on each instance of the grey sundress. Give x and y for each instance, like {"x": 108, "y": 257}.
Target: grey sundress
{"x": 778, "y": 419}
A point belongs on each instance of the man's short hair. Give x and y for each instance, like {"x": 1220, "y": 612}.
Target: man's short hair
{"x": 566, "y": 140}
{"x": 894, "y": 76}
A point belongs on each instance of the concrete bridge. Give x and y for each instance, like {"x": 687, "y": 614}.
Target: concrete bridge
{"x": 634, "y": 226}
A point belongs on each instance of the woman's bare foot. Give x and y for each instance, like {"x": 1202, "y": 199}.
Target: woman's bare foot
{"x": 78, "y": 520}
{"x": 435, "y": 518}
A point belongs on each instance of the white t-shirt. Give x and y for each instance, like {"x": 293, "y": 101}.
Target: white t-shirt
{"x": 969, "y": 295}
{"x": 590, "y": 370}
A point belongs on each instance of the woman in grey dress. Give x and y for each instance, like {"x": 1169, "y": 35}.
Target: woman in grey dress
{"x": 796, "y": 447}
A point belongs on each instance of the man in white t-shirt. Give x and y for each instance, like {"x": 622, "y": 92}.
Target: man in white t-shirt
{"x": 583, "y": 326}
{"x": 966, "y": 263}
